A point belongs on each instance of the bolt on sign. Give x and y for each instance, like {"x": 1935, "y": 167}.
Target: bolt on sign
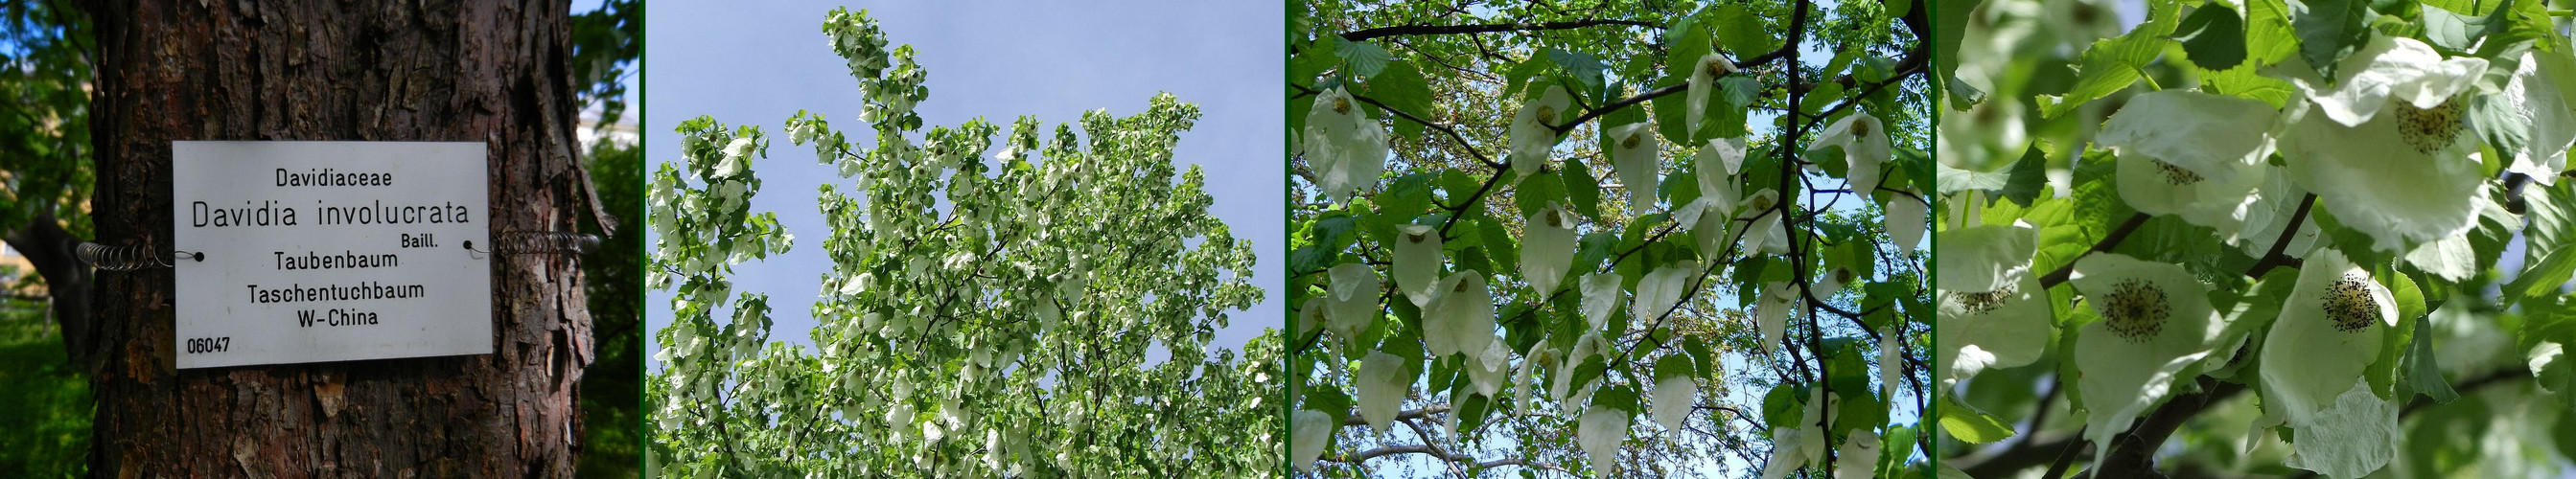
{"x": 315, "y": 251}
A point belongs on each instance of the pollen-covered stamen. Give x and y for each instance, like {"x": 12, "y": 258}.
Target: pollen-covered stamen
{"x": 1415, "y": 237}
{"x": 2176, "y": 174}
{"x": 1981, "y": 303}
{"x": 1546, "y": 115}
{"x": 1860, "y": 128}
{"x": 2349, "y": 305}
{"x": 1462, "y": 287}
{"x": 1553, "y": 221}
{"x": 2434, "y": 129}
{"x": 1719, "y": 68}
{"x": 1342, "y": 105}
{"x": 2135, "y": 310}
{"x": 1631, "y": 142}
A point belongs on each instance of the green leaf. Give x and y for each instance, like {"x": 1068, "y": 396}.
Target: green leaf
{"x": 1951, "y": 27}
{"x": 2112, "y": 64}
{"x": 2548, "y": 261}
{"x": 1583, "y": 67}
{"x": 1401, "y": 87}
{"x": 2269, "y": 37}
{"x": 1535, "y": 192}
{"x": 1742, "y": 31}
{"x": 2452, "y": 31}
{"x": 1406, "y": 197}
{"x": 2422, "y": 375}
{"x": 2213, "y": 37}
{"x": 1365, "y": 60}
{"x": 1583, "y": 188}
{"x": 1690, "y": 43}
{"x": 1970, "y": 425}
{"x": 2329, "y": 30}
{"x": 2023, "y": 182}
{"x": 1329, "y": 400}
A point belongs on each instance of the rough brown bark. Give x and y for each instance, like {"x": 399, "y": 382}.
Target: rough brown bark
{"x": 430, "y": 70}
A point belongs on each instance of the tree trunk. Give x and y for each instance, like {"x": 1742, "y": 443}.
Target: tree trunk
{"x": 428, "y": 70}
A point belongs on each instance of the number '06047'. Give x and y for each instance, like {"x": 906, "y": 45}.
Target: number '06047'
{"x": 209, "y": 345}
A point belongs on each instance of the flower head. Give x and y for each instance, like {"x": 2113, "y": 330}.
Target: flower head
{"x": 1992, "y": 311}
{"x": 1633, "y": 152}
{"x": 1383, "y": 385}
{"x": 1351, "y": 307}
{"x": 1533, "y": 129}
{"x": 1461, "y": 318}
{"x": 1345, "y": 148}
{"x": 1863, "y": 139}
{"x": 1417, "y": 262}
{"x": 1716, "y": 166}
{"x": 2328, "y": 332}
{"x": 2387, "y": 148}
{"x": 1547, "y": 248}
{"x": 1703, "y": 81}
{"x": 2156, "y": 323}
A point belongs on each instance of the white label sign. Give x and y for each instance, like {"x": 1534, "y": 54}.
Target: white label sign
{"x": 321, "y": 251}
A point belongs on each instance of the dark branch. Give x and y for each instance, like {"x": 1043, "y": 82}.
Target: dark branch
{"x": 1365, "y": 34}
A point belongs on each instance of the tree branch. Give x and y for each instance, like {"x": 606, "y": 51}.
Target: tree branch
{"x": 1366, "y": 34}
{"x": 49, "y": 248}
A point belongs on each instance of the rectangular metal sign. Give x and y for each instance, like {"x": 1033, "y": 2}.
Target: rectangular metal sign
{"x": 321, "y": 251}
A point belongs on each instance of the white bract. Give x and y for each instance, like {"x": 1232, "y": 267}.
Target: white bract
{"x": 2156, "y": 324}
{"x": 1864, "y": 142}
{"x": 1601, "y": 296}
{"x": 1703, "y": 82}
{"x": 1764, "y": 233}
{"x": 1461, "y": 318}
{"x": 1345, "y": 149}
{"x": 2386, "y": 150}
{"x": 2191, "y": 154}
{"x": 1673, "y": 395}
{"x": 1570, "y": 396}
{"x": 1599, "y": 434}
{"x": 1709, "y": 227}
{"x": 2328, "y": 332}
{"x": 1660, "y": 290}
{"x": 1771, "y": 311}
{"x": 1352, "y": 306}
{"x": 1383, "y": 386}
{"x": 1489, "y": 368}
{"x": 1417, "y": 262}
{"x": 1533, "y": 130}
{"x": 1716, "y": 166}
{"x": 1858, "y": 458}
{"x": 1906, "y": 218}
{"x": 2355, "y": 437}
{"x": 1992, "y": 312}
{"x": 1634, "y": 152}
{"x": 1547, "y": 248}
{"x": 1891, "y": 350}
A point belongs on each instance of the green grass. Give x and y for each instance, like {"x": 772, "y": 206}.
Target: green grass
{"x": 47, "y": 400}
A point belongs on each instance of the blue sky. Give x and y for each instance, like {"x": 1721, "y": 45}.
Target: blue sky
{"x": 756, "y": 63}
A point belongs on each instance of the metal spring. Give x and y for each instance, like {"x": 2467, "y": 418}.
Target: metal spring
{"x": 540, "y": 242}
{"x": 125, "y": 258}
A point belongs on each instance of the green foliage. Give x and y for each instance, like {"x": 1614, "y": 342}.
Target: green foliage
{"x": 1551, "y": 212}
{"x": 49, "y": 397}
{"x": 982, "y": 317}
{"x": 2225, "y": 154}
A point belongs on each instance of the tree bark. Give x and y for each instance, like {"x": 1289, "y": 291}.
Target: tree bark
{"x": 428, "y": 70}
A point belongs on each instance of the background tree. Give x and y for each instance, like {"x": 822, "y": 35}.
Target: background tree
{"x": 1604, "y": 285}
{"x": 983, "y": 317}
{"x": 605, "y": 45}
{"x": 2259, "y": 238}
